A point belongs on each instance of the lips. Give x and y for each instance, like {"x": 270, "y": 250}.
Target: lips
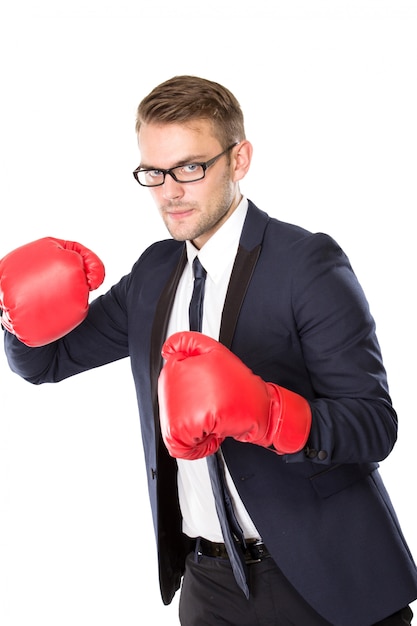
{"x": 177, "y": 212}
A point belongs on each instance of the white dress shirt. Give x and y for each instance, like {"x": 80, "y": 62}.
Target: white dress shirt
{"x": 217, "y": 257}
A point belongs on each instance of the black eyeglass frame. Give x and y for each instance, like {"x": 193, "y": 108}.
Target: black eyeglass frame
{"x": 170, "y": 171}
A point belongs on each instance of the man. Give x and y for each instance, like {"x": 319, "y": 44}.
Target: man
{"x": 285, "y": 386}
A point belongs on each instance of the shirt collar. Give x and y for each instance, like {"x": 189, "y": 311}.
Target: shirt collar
{"x": 220, "y": 250}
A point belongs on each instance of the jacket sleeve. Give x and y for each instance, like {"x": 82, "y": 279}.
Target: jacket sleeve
{"x": 353, "y": 417}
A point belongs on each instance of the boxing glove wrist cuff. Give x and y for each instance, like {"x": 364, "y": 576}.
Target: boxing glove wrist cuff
{"x": 289, "y": 420}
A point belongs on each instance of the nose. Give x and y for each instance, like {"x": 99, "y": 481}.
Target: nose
{"x": 171, "y": 189}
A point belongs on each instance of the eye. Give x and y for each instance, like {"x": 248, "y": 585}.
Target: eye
{"x": 191, "y": 168}
{"x": 154, "y": 173}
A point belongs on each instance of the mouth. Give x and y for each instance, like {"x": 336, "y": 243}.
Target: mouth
{"x": 178, "y": 212}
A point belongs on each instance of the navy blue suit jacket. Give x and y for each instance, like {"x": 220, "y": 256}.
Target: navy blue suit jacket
{"x": 296, "y": 315}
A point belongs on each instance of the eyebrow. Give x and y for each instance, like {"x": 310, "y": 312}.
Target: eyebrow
{"x": 191, "y": 159}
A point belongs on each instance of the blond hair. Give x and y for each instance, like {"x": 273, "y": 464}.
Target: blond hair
{"x": 185, "y": 98}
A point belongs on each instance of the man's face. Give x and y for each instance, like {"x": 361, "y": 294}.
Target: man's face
{"x": 193, "y": 211}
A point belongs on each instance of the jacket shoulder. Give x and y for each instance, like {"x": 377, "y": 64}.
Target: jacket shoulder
{"x": 261, "y": 227}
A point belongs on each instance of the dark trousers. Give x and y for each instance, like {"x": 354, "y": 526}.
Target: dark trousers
{"x": 210, "y": 597}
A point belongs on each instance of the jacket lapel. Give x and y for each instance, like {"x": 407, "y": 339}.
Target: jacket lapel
{"x": 159, "y": 330}
{"x": 241, "y": 274}
{"x": 247, "y": 256}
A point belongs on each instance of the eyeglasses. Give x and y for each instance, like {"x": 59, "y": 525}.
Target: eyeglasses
{"x": 187, "y": 173}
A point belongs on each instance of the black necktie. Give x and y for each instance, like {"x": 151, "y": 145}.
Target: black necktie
{"x": 224, "y": 506}
{"x": 196, "y": 304}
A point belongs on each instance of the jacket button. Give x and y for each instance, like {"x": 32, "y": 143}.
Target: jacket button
{"x": 322, "y": 455}
{"x": 311, "y": 453}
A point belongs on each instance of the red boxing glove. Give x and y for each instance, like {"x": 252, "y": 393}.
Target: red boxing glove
{"x": 44, "y": 288}
{"x": 207, "y": 394}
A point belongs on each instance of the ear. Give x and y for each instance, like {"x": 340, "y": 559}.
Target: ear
{"x": 241, "y": 159}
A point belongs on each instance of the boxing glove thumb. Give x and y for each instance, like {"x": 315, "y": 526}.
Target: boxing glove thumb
{"x": 44, "y": 288}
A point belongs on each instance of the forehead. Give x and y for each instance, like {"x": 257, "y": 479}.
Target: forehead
{"x": 167, "y": 144}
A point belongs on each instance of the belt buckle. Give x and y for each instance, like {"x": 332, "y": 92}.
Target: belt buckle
{"x": 256, "y": 552}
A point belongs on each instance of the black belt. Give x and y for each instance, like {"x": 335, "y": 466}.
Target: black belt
{"x": 254, "y": 552}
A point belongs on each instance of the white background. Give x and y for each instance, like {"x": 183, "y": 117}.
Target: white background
{"x": 329, "y": 94}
